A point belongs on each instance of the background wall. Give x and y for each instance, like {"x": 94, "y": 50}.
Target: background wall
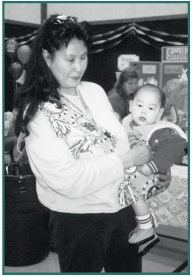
{"x": 24, "y": 12}
{"x": 113, "y": 11}
{"x": 30, "y": 12}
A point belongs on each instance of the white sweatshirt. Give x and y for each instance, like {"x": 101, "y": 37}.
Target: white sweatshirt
{"x": 85, "y": 185}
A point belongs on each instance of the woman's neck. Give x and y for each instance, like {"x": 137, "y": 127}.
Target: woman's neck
{"x": 69, "y": 91}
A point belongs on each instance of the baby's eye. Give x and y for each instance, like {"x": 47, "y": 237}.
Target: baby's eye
{"x": 70, "y": 60}
{"x": 151, "y": 109}
{"x": 139, "y": 105}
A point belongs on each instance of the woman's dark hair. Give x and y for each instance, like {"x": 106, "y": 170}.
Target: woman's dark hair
{"x": 126, "y": 75}
{"x": 40, "y": 83}
{"x": 152, "y": 88}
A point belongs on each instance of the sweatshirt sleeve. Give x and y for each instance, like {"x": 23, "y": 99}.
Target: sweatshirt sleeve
{"x": 55, "y": 167}
{"x": 168, "y": 147}
{"x": 126, "y": 123}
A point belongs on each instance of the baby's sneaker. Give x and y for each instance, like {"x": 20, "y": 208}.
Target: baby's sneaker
{"x": 141, "y": 236}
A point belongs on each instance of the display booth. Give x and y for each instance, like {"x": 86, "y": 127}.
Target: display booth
{"x": 175, "y": 81}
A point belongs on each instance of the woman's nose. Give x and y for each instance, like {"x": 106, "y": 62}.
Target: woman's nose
{"x": 77, "y": 66}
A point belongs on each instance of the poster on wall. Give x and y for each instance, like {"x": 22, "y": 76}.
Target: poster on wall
{"x": 149, "y": 72}
{"x": 123, "y": 61}
{"x": 175, "y": 81}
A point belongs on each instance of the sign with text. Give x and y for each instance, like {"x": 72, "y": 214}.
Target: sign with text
{"x": 174, "y": 54}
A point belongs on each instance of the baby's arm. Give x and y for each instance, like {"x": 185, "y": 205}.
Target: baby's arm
{"x": 145, "y": 170}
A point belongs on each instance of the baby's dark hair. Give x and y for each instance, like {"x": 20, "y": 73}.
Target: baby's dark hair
{"x": 154, "y": 88}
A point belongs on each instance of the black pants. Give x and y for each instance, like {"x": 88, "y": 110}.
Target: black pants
{"x": 90, "y": 242}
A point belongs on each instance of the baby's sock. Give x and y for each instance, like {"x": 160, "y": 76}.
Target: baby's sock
{"x": 144, "y": 221}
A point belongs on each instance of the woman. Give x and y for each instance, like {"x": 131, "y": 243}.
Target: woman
{"x": 78, "y": 151}
{"x": 124, "y": 87}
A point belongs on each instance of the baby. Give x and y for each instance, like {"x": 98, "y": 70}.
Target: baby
{"x": 167, "y": 140}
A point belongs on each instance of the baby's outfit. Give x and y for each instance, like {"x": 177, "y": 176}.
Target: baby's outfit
{"x": 168, "y": 142}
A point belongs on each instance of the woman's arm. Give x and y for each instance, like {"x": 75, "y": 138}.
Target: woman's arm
{"x": 54, "y": 167}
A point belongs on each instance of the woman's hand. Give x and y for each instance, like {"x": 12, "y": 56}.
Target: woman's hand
{"x": 136, "y": 156}
{"x": 141, "y": 155}
{"x": 163, "y": 182}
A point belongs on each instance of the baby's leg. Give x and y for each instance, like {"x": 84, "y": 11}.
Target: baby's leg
{"x": 142, "y": 213}
{"x": 143, "y": 234}
{"x": 140, "y": 207}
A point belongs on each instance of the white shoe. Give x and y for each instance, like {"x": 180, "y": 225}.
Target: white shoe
{"x": 141, "y": 236}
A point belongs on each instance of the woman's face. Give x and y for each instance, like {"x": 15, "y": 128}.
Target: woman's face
{"x": 130, "y": 86}
{"x": 69, "y": 64}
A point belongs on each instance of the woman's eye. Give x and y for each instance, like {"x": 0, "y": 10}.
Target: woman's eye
{"x": 83, "y": 58}
{"x": 70, "y": 60}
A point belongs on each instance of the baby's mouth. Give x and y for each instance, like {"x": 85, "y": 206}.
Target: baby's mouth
{"x": 142, "y": 118}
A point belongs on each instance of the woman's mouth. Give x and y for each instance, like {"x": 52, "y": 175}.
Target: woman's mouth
{"x": 75, "y": 78}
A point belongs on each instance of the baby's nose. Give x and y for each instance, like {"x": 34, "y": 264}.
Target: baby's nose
{"x": 144, "y": 111}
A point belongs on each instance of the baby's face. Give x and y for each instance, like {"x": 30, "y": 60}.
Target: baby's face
{"x": 146, "y": 107}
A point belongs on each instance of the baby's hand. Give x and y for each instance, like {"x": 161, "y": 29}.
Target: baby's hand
{"x": 144, "y": 169}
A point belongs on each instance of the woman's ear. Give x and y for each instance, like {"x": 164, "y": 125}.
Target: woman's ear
{"x": 46, "y": 57}
{"x": 130, "y": 105}
{"x": 160, "y": 114}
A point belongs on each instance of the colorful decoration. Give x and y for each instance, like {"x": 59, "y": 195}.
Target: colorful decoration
{"x": 8, "y": 116}
{"x": 21, "y": 78}
{"x": 11, "y": 47}
{"x": 23, "y": 53}
{"x": 145, "y": 35}
{"x": 16, "y": 70}
{"x": 112, "y": 38}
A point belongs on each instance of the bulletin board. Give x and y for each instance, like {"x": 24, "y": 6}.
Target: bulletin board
{"x": 149, "y": 72}
{"x": 171, "y": 71}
